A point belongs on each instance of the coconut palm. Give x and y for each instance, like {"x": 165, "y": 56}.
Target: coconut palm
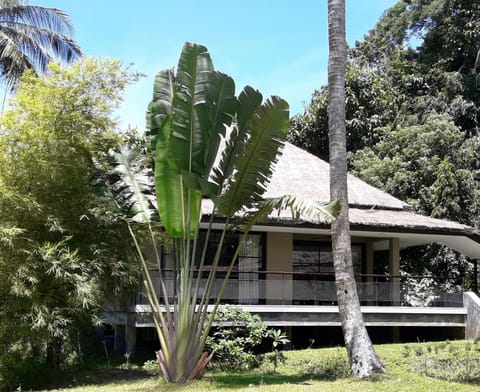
{"x": 363, "y": 359}
{"x": 30, "y": 37}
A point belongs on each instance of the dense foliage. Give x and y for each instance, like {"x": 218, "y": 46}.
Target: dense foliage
{"x": 413, "y": 109}
{"x": 236, "y": 341}
{"x": 428, "y": 166}
{"x": 61, "y": 252}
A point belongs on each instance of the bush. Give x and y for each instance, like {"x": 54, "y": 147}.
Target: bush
{"x": 20, "y": 373}
{"x": 236, "y": 338}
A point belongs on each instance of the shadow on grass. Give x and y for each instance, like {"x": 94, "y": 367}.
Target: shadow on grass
{"x": 99, "y": 376}
{"x": 242, "y": 380}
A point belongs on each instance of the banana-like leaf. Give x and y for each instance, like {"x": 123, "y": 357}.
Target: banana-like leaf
{"x": 133, "y": 188}
{"x": 168, "y": 184}
{"x": 161, "y": 105}
{"x": 180, "y": 139}
{"x": 267, "y": 128}
{"x": 216, "y": 113}
{"x": 169, "y": 187}
{"x": 248, "y": 102}
{"x": 186, "y": 149}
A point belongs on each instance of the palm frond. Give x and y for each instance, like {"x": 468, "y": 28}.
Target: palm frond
{"x": 187, "y": 143}
{"x": 248, "y": 101}
{"x": 30, "y": 37}
{"x": 267, "y": 128}
{"x": 160, "y": 108}
{"x": 180, "y": 140}
{"x": 43, "y": 17}
{"x": 216, "y": 114}
{"x": 134, "y": 186}
{"x": 300, "y": 210}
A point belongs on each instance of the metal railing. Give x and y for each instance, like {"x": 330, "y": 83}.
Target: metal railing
{"x": 296, "y": 288}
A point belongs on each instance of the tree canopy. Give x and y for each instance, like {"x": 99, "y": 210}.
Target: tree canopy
{"x": 61, "y": 252}
{"x": 412, "y": 77}
{"x": 412, "y": 115}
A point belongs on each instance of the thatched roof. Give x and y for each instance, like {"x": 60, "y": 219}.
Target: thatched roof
{"x": 299, "y": 173}
{"x": 305, "y": 176}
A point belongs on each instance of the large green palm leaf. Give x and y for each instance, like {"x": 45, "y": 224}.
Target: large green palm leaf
{"x": 216, "y": 114}
{"x": 187, "y": 145}
{"x": 168, "y": 182}
{"x": 180, "y": 141}
{"x": 267, "y": 127}
{"x": 248, "y": 101}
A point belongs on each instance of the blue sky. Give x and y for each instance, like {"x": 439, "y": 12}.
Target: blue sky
{"x": 278, "y": 46}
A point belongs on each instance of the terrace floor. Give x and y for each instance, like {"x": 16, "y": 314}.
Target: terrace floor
{"x": 311, "y": 315}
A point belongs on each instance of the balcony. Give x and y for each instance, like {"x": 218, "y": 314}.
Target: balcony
{"x": 318, "y": 289}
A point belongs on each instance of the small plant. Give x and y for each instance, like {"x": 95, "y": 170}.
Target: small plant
{"x": 419, "y": 351}
{"x": 406, "y": 351}
{"x": 233, "y": 342}
{"x": 276, "y": 356}
{"x": 150, "y": 366}
{"x": 127, "y": 359}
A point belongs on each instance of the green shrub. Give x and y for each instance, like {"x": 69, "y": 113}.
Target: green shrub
{"x": 236, "y": 338}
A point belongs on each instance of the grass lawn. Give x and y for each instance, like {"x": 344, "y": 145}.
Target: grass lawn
{"x": 410, "y": 367}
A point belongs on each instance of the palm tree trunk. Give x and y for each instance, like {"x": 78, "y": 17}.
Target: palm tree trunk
{"x": 363, "y": 359}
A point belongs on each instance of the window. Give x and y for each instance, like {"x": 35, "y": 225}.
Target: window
{"x": 316, "y": 257}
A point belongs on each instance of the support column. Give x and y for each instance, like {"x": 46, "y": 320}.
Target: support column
{"x": 119, "y": 339}
{"x": 394, "y": 269}
{"x": 279, "y": 258}
{"x": 130, "y": 334}
{"x": 472, "y": 321}
{"x": 475, "y": 276}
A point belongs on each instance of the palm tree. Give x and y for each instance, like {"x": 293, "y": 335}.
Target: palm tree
{"x": 363, "y": 359}
{"x": 30, "y": 37}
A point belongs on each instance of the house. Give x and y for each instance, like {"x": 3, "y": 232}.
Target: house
{"x": 285, "y": 270}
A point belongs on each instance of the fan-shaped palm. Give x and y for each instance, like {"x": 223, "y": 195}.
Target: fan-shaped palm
{"x": 30, "y": 37}
{"x": 193, "y": 119}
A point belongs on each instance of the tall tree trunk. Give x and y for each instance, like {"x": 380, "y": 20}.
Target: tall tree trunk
{"x": 363, "y": 359}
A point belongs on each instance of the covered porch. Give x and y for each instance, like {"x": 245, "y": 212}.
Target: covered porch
{"x": 293, "y": 265}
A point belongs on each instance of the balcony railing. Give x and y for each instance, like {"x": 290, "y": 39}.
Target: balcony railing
{"x": 294, "y": 288}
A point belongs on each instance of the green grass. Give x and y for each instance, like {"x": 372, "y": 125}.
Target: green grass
{"x": 410, "y": 367}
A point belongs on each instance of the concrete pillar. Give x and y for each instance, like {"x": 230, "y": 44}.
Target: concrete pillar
{"x": 279, "y": 258}
{"x": 119, "y": 339}
{"x": 130, "y": 334}
{"x": 394, "y": 269}
{"x": 472, "y": 323}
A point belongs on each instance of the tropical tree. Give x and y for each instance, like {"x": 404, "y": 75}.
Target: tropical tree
{"x": 206, "y": 142}
{"x": 30, "y": 37}
{"x": 371, "y": 102}
{"x": 428, "y": 166}
{"x": 363, "y": 358}
{"x": 62, "y": 253}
